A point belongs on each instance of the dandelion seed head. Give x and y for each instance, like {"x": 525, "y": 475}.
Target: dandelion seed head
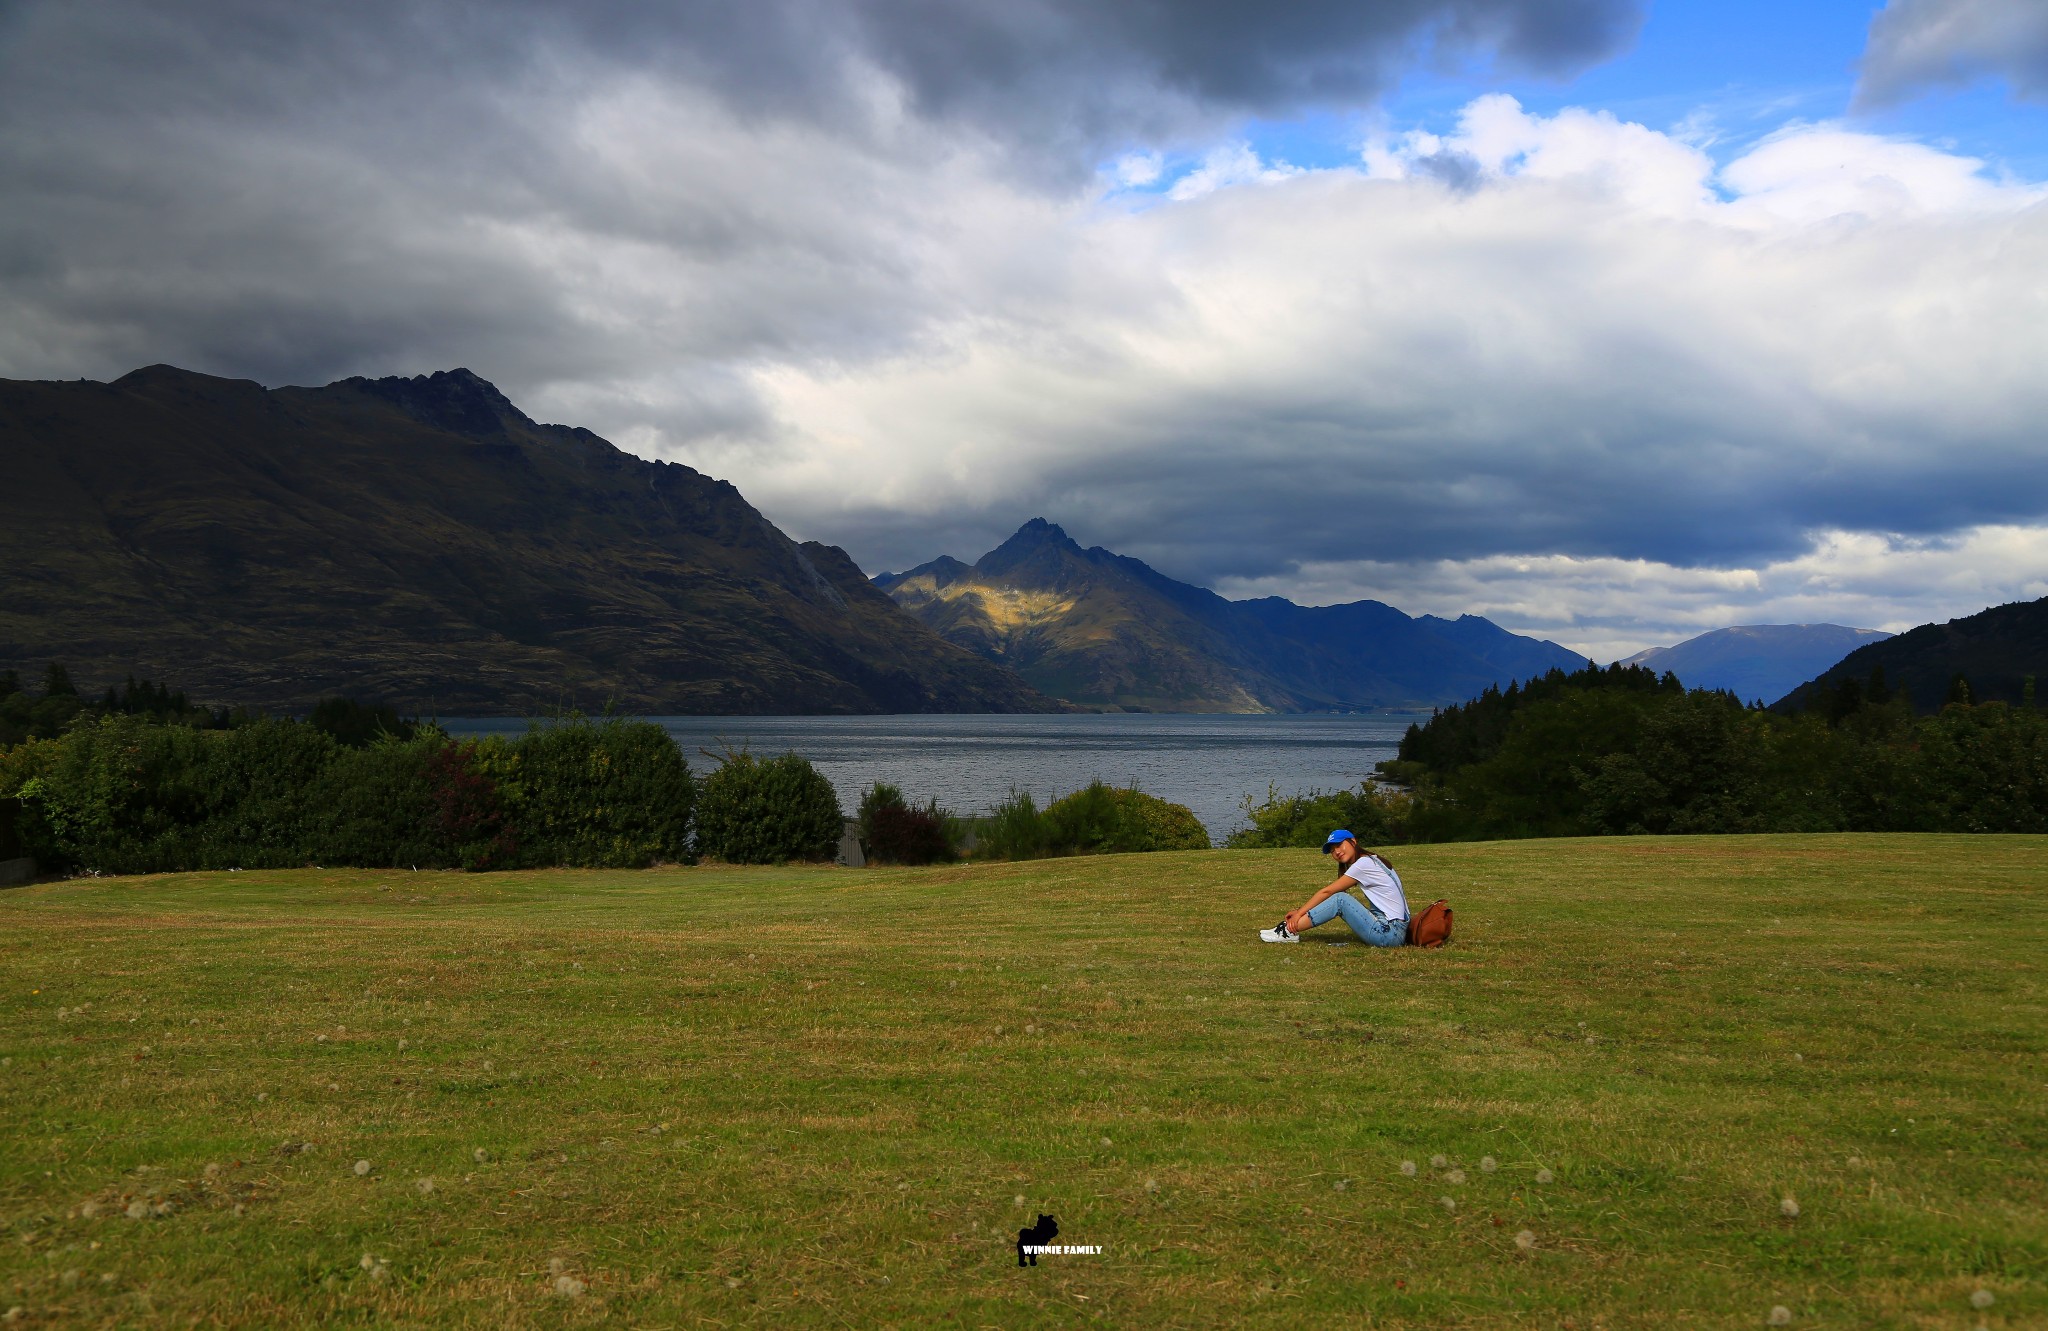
{"x": 362, "y": 1168}
{"x": 1525, "y": 1240}
{"x": 1438, "y": 1161}
{"x": 1789, "y": 1208}
{"x": 1780, "y": 1316}
{"x": 569, "y": 1287}
{"x": 1448, "y": 1203}
{"x": 480, "y": 1155}
{"x": 1018, "y": 1200}
{"x": 1106, "y": 1141}
{"x": 1408, "y": 1168}
{"x": 1151, "y": 1185}
{"x": 1545, "y": 1176}
{"x": 367, "y": 1262}
{"x": 1983, "y": 1298}
{"x": 1456, "y": 1176}
{"x": 556, "y": 1266}
{"x": 1487, "y": 1164}
{"x": 425, "y": 1185}
{"x": 138, "y": 1210}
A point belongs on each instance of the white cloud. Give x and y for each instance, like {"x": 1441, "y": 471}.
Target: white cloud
{"x": 1137, "y": 170}
{"x": 1226, "y": 165}
{"x": 1593, "y": 344}
{"x": 1610, "y": 608}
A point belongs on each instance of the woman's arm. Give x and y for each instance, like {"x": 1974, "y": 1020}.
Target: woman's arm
{"x": 1298, "y": 921}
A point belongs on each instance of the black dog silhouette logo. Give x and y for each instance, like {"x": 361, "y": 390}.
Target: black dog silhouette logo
{"x": 1037, "y": 1236}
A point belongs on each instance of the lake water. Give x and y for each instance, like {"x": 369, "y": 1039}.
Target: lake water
{"x": 1208, "y": 763}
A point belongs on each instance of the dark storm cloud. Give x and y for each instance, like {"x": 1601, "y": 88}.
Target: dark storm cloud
{"x": 1916, "y": 45}
{"x": 302, "y": 192}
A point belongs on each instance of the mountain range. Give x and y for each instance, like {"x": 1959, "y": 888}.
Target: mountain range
{"x": 1757, "y": 661}
{"x": 422, "y": 542}
{"x": 1996, "y": 650}
{"x": 1104, "y": 630}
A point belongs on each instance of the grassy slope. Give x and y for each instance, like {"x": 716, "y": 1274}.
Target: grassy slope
{"x": 859, "y": 1073}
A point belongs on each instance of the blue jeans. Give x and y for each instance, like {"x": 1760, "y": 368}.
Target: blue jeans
{"x": 1370, "y": 926}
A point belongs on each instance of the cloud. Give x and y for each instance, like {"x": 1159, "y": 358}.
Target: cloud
{"x": 1916, "y": 45}
{"x": 1596, "y": 346}
{"x": 910, "y": 272}
{"x": 613, "y": 198}
{"x": 1610, "y": 608}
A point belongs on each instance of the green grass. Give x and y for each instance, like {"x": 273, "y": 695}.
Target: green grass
{"x": 814, "y": 1096}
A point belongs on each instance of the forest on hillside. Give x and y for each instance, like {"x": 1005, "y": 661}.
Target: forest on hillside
{"x": 1622, "y": 750}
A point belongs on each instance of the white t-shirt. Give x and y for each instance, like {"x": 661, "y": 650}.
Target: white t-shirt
{"x": 1382, "y": 886}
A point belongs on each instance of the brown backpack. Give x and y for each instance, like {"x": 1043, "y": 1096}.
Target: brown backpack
{"x": 1432, "y": 928}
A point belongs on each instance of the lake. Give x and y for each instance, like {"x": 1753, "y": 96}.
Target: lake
{"x": 1208, "y": 763}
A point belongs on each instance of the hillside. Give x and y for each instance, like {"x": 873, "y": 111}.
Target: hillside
{"x": 1755, "y": 661}
{"x": 423, "y": 542}
{"x": 1995, "y": 650}
{"x": 1101, "y": 629}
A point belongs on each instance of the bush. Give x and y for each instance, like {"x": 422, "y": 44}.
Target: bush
{"x": 127, "y": 793}
{"x": 378, "y": 807}
{"x": 896, "y": 832}
{"x": 1376, "y": 817}
{"x": 124, "y": 795}
{"x": 752, "y": 811}
{"x": 1012, "y": 830}
{"x": 1095, "y": 820}
{"x": 612, "y": 793}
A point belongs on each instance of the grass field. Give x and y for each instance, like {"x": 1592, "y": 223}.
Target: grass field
{"x": 815, "y": 1096}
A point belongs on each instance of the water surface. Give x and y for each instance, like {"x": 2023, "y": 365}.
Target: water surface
{"x": 1209, "y": 763}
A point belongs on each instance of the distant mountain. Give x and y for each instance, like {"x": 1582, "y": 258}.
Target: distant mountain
{"x": 424, "y": 543}
{"x": 1757, "y": 661}
{"x": 1103, "y": 630}
{"x": 1994, "y": 649}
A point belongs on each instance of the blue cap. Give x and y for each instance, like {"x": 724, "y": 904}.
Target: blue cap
{"x": 1337, "y": 837}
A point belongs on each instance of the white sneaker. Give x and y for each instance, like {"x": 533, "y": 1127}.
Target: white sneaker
{"x": 1279, "y": 933}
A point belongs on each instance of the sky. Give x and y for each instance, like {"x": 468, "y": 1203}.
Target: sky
{"x": 1614, "y": 322}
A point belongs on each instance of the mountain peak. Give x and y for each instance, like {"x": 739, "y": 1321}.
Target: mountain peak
{"x": 1040, "y": 544}
{"x": 459, "y": 401}
{"x": 1040, "y": 532}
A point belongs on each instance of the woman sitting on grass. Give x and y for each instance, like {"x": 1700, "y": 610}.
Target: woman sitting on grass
{"x": 1381, "y": 921}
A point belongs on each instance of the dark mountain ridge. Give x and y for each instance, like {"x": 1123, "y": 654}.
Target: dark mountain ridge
{"x": 1102, "y": 629}
{"x": 423, "y": 542}
{"x": 1996, "y": 650}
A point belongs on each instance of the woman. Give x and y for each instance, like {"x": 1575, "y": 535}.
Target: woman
{"x": 1382, "y": 920}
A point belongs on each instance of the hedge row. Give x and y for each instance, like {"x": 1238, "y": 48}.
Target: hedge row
{"x": 126, "y": 793}
{"x": 121, "y": 794}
